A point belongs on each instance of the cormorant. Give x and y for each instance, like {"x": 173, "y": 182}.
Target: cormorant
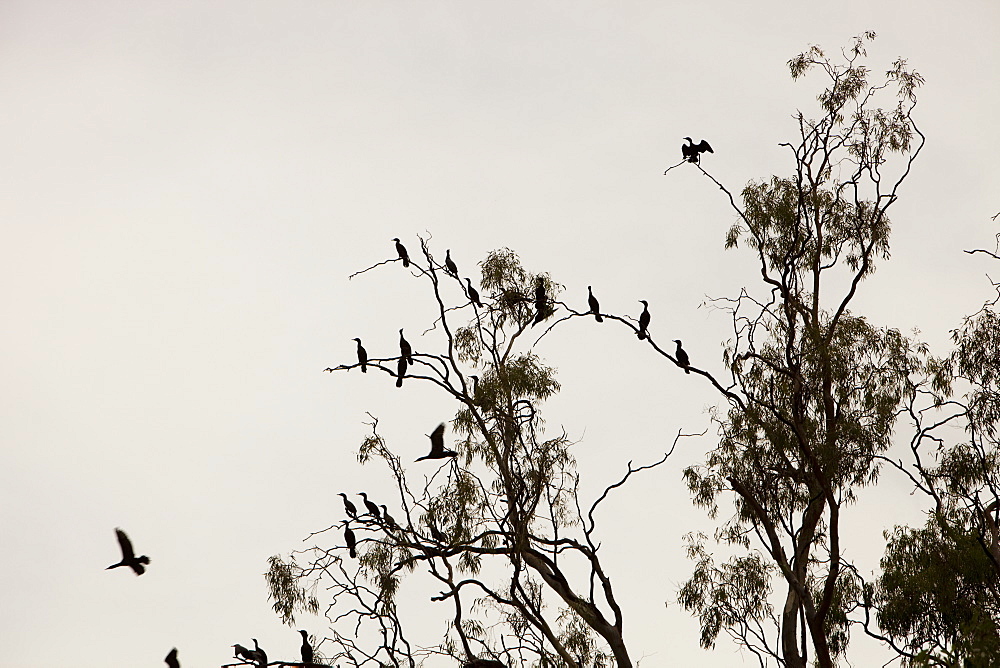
{"x": 307, "y": 650}
{"x": 643, "y": 319}
{"x": 171, "y": 659}
{"x": 437, "y": 445}
{"x": 137, "y": 564}
{"x": 449, "y": 264}
{"x": 595, "y": 308}
{"x": 259, "y": 654}
{"x": 436, "y": 533}
{"x": 403, "y": 255}
{"x": 352, "y": 542}
{"x": 682, "y": 357}
{"x": 473, "y": 294}
{"x": 351, "y": 509}
{"x": 370, "y": 505}
{"x": 404, "y": 349}
{"x": 362, "y": 356}
{"x": 400, "y": 370}
{"x": 387, "y": 518}
{"x": 692, "y": 153}
{"x": 241, "y": 652}
{"x": 540, "y": 301}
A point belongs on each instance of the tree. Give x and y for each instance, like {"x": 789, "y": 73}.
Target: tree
{"x": 499, "y": 526}
{"x": 815, "y": 389}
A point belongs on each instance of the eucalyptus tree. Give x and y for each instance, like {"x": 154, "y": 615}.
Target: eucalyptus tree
{"x": 499, "y": 527}
{"x": 815, "y": 388}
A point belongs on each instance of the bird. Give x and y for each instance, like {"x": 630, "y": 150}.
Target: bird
{"x": 473, "y": 294}
{"x": 540, "y": 301}
{"x": 403, "y": 255}
{"x": 436, "y": 533}
{"x": 241, "y": 652}
{"x": 351, "y": 509}
{"x": 362, "y": 356}
{"x": 400, "y": 370}
{"x": 307, "y": 650}
{"x": 692, "y": 152}
{"x": 370, "y": 505}
{"x": 449, "y": 264}
{"x": 137, "y": 564}
{"x": 437, "y": 445}
{"x": 352, "y": 542}
{"x": 171, "y": 659}
{"x": 387, "y": 518}
{"x": 259, "y": 654}
{"x": 643, "y": 319}
{"x": 595, "y": 308}
{"x": 682, "y": 357}
{"x": 404, "y": 348}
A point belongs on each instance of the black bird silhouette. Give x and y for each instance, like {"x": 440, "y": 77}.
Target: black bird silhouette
{"x": 692, "y": 152}
{"x": 436, "y": 533}
{"x": 404, "y": 349}
{"x": 437, "y": 445}
{"x": 387, "y": 518}
{"x": 595, "y": 308}
{"x": 449, "y": 264}
{"x": 307, "y": 650}
{"x": 352, "y": 542}
{"x": 241, "y": 652}
{"x": 473, "y": 294}
{"x": 258, "y": 654}
{"x": 682, "y": 357}
{"x": 400, "y": 370}
{"x": 351, "y": 509}
{"x": 403, "y": 255}
{"x": 370, "y": 505}
{"x": 137, "y": 564}
{"x": 643, "y": 319}
{"x": 171, "y": 659}
{"x": 540, "y": 301}
{"x": 362, "y": 356}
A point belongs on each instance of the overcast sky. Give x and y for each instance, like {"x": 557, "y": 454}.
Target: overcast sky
{"x": 186, "y": 186}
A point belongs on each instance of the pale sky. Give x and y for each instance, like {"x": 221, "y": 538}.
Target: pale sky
{"x": 186, "y": 186}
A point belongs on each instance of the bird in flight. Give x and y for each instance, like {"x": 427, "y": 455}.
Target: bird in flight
{"x": 437, "y": 445}
{"x": 137, "y": 564}
{"x": 692, "y": 152}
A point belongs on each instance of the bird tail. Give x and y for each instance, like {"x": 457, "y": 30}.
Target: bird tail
{"x": 364, "y": 368}
{"x": 399, "y": 380}
{"x": 687, "y": 370}
{"x": 598, "y": 318}
{"x": 641, "y": 334}
{"x": 354, "y": 553}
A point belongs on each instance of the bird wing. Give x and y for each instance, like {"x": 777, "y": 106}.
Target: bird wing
{"x": 703, "y": 146}
{"x": 126, "y": 545}
{"x": 437, "y": 439}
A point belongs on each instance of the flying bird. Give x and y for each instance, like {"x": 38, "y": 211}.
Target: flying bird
{"x": 362, "y": 356}
{"x": 643, "y": 319}
{"x": 171, "y": 659}
{"x": 403, "y": 255}
{"x": 307, "y": 650}
{"x": 351, "y": 509}
{"x": 400, "y": 370}
{"x": 137, "y": 564}
{"x": 449, "y": 264}
{"x": 473, "y": 294}
{"x": 692, "y": 152}
{"x": 351, "y": 541}
{"x": 437, "y": 445}
{"x": 682, "y": 357}
{"x": 404, "y": 348}
{"x": 595, "y": 308}
{"x": 370, "y": 505}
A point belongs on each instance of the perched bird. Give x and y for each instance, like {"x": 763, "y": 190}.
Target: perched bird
{"x": 403, "y": 255}
{"x": 387, "y": 518}
{"x": 449, "y": 264}
{"x": 400, "y": 370}
{"x": 351, "y": 509}
{"x": 473, "y": 294}
{"x": 260, "y": 656}
{"x": 307, "y": 650}
{"x": 682, "y": 357}
{"x": 137, "y": 564}
{"x": 643, "y": 319}
{"x": 541, "y": 310}
{"x": 362, "y": 356}
{"x": 404, "y": 348}
{"x": 241, "y": 652}
{"x": 437, "y": 445}
{"x": 171, "y": 659}
{"x": 351, "y": 541}
{"x": 436, "y": 533}
{"x": 692, "y": 152}
{"x": 595, "y": 308}
{"x": 370, "y": 505}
